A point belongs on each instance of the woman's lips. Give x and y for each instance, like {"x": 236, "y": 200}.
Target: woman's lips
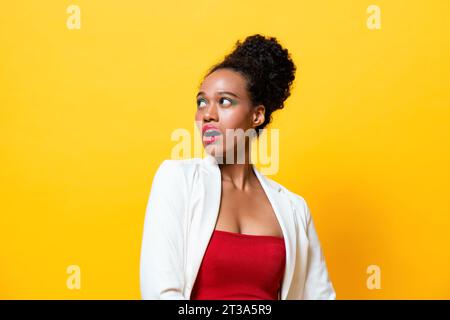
{"x": 210, "y": 136}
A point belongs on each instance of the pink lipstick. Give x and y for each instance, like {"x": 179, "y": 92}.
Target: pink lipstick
{"x": 210, "y": 133}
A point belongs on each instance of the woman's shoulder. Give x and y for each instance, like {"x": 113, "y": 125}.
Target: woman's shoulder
{"x": 291, "y": 194}
{"x": 172, "y": 178}
{"x": 172, "y": 170}
{"x": 298, "y": 201}
{"x": 179, "y": 165}
{"x": 182, "y": 162}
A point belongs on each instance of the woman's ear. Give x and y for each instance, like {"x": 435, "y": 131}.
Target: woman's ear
{"x": 259, "y": 115}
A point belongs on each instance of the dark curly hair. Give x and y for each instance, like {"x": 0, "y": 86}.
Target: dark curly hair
{"x": 268, "y": 69}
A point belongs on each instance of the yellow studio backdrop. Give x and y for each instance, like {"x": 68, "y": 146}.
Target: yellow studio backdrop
{"x": 90, "y": 92}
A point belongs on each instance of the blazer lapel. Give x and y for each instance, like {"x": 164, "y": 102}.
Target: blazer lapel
{"x": 205, "y": 202}
{"x": 284, "y": 214}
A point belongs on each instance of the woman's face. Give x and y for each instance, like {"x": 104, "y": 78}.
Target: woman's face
{"x": 223, "y": 105}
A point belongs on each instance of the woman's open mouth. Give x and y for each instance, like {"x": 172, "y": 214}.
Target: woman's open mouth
{"x": 210, "y": 136}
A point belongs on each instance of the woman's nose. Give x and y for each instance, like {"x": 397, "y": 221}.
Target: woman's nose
{"x": 211, "y": 113}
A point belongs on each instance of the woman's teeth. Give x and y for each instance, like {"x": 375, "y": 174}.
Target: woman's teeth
{"x": 211, "y": 133}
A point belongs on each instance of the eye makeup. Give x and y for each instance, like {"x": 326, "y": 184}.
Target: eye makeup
{"x": 232, "y": 101}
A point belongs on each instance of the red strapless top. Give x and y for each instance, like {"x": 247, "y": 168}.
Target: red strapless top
{"x": 240, "y": 267}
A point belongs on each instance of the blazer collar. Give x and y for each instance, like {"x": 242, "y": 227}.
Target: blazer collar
{"x": 280, "y": 204}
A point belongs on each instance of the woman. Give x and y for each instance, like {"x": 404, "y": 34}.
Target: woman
{"x": 219, "y": 229}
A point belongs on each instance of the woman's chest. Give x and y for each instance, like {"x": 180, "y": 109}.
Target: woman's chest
{"x": 247, "y": 213}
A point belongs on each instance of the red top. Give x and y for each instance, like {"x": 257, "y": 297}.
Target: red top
{"x": 240, "y": 267}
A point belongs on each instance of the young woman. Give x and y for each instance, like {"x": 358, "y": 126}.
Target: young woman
{"x": 219, "y": 229}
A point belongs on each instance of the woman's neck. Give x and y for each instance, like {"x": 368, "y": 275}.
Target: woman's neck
{"x": 239, "y": 174}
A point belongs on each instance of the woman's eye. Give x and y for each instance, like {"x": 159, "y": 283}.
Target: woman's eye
{"x": 230, "y": 102}
{"x": 199, "y": 101}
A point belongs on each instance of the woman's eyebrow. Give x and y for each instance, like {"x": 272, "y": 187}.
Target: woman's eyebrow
{"x": 228, "y": 92}
{"x": 225, "y": 92}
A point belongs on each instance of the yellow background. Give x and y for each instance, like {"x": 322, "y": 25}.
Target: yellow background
{"x": 86, "y": 117}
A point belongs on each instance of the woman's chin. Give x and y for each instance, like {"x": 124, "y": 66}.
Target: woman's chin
{"x": 213, "y": 150}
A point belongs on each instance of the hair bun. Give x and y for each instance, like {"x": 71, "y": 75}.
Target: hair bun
{"x": 268, "y": 68}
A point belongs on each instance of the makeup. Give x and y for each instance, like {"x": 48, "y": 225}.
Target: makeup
{"x": 210, "y": 133}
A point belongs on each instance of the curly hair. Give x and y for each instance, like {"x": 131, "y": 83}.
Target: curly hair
{"x": 268, "y": 69}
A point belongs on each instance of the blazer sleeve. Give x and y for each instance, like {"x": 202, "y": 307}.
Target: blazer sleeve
{"x": 318, "y": 285}
{"x": 163, "y": 247}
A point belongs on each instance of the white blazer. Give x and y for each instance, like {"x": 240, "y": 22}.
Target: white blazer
{"x": 180, "y": 218}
